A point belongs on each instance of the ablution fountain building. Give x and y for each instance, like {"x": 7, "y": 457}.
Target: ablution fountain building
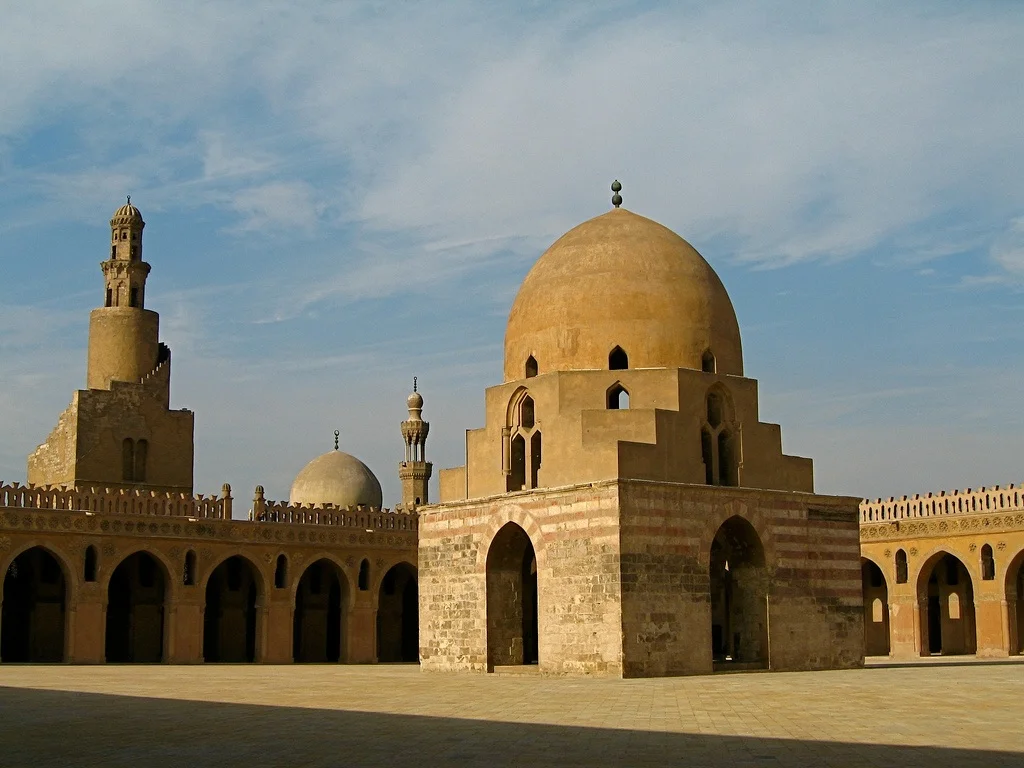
{"x": 622, "y": 511}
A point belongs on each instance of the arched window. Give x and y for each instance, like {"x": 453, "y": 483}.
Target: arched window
{"x": 141, "y": 452}
{"x": 720, "y": 440}
{"x": 988, "y": 563}
{"x": 281, "y": 572}
{"x": 110, "y": 298}
{"x": 90, "y": 564}
{"x": 707, "y": 362}
{"x": 618, "y": 360}
{"x": 708, "y": 456}
{"x": 527, "y": 416}
{"x": 535, "y": 448}
{"x": 188, "y": 572}
{"x": 517, "y": 466}
{"x": 617, "y": 398}
{"x": 133, "y": 297}
{"x": 128, "y": 460}
{"x": 364, "y": 575}
{"x": 531, "y": 367}
{"x": 726, "y": 459}
{"x": 714, "y": 409}
{"x": 901, "y": 566}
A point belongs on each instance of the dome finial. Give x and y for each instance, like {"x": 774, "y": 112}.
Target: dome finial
{"x": 616, "y": 198}
{"x": 336, "y": 434}
{"x": 414, "y": 383}
{"x": 129, "y": 199}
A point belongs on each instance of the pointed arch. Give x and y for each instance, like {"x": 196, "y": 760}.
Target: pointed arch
{"x": 138, "y": 594}
{"x": 708, "y": 363}
{"x": 36, "y": 591}
{"x": 322, "y": 597}
{"x": 618, "y": 360}
{"x": 398, "y": 614}
{"x": 233, "y": 590}
{"x": 876, "y": 608}
{"x": 512, "y": 598}
{"x": 738, "y": 594}
{"x": 531, "y": 367}
{"x": 617, "y": 397}
{"x": 945, "y": 591}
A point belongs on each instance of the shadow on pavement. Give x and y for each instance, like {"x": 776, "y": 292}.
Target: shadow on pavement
{"x": 44, "y": 728}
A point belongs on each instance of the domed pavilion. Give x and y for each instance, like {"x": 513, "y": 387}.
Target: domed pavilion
{"x": 623, "y": 511}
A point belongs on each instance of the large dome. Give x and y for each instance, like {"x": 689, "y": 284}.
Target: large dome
{"x": 336, "y": 478}
{"x": 621, "y": 280}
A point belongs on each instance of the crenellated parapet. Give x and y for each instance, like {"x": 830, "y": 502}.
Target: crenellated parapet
{"x": 400, "y": 518}
{"x": 956, "y": 502}
{"x": 118, "y": 501}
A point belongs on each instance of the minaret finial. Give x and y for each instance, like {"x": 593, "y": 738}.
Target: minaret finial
{"x": 414, "y": 383}
{"x": 336, "y": 434}
{"x": 616, "y": 198}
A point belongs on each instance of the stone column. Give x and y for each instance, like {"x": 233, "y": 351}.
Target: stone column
{"x": 361, "y": 634}
{"x": 990, "y": 616}
{"x": 904, "y": 621}
{"x": 87, "y": 626}
{"x": 186, "y": 617}
{"x": 279, "y": 618}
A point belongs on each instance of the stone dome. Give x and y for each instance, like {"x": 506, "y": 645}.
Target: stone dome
{"x": 621, "y": 280}
{"x": 336, "y": 478}
{"x": 125, "y": 214}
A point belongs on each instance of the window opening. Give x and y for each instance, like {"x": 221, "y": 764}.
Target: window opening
{"x": 527, "y": 416}
{"x": 188, "y": 573}
{"x": 618, "y": 398}
{"x": 531, "y": 367}
{"x": 141, "y": 453}
{"x": 618, "y": 360}
{"x": 988, "y": 563}
{"x": 364, "y": 575}
{"x": 901, "y": 566}
{"x": 281, "y": 572}
{"x": 90, "y": 564}
{"x": 707, "y": 362}
{"x": 127, "y": 460}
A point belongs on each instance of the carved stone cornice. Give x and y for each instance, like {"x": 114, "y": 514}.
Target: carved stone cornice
{"x": 937, "y": 527}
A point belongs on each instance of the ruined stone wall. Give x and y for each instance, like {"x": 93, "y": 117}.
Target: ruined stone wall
{"x": 814, "y": 618}
{"x": 574, "y": 535}
{"x": 54, "y": 461}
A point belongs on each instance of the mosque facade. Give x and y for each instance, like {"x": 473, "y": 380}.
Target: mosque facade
{"x": 622, "y": 511}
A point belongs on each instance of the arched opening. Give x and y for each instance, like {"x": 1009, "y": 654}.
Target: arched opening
{"x": 89, "y": 569}
{"x": 617, "y": 398}
{"x": 141, "y": 453}
{"x": 1015, "y": 603}
{"x": 535, "y": 456}
{"x": 527, "y": 413}
{"x": 707, "y": 455}
{"x": 364, "y": 575}
{"x": 739, "y": 597}
{"x": 901, "y": 566}
{"x": 512, "y": 611}
{"x": 531, "y": 367}
{"x": 133, "y": 294}
{"x": 281, "y": 572}
{"x": 188, "y": 572}
{"x": 707, "y": 362}
{"x": 127, "y": 460}
{"x": 727, "y": 459}
{"x": 34, "y": 607}
{"x": 398, "y": 629}
{"x": 618, "y": 360}
{"x": 229, "y": 620}
{"x": 110, "y": 293}
{"x": 946, "y": 596}
{"x": 988, "y": 563}
{"x": 320, "y": 601}
{"x": 135, "y": 611}
{"x": 517, "y": 464}
{"x": 876, "y": 609}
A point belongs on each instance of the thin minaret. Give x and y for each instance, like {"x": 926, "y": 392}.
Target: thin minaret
{"x": 415, "y": 471}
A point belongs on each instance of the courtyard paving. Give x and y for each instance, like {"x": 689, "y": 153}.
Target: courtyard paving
{"x": 961, "y": 714}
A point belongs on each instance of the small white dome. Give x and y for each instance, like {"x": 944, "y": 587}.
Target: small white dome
{"x": 337, "y": 478}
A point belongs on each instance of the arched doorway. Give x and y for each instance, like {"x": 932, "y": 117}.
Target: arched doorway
{"x": 135, "y": 610}
{"x": 512, "y": 616}
{"x": 320, "y": 602}
{"x": 35, "y": 602}
{"x": 229, "y": 620}
{"x": 876, "y": 609}
{"x": 398, "y": 632}
{"x": 1015, "y": 603}
{"x": 946, "y": 597}
{"x": 739, "y": 596}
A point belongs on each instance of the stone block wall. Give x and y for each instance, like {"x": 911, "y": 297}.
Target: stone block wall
{"x": 574, "y": 535}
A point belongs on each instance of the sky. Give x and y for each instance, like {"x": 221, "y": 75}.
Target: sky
{"x": 341, "y": 196}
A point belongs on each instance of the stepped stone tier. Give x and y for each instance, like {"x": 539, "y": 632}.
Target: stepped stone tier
{"x": 943, "y": 573}
{"x": 623, "y": 511}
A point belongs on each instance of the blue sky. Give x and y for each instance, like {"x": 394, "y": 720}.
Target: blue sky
{"x": 340, "y": 196}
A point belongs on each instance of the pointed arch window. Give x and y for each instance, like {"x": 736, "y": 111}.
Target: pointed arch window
{"x": 281, "y": 572}
{"x": 188, "y": 571}
{"x": 617, "y": 398}
{"x": 618, "y": 360}
{"x": 521, "y": 444}
{"x": 988, "y": 563}
{"x": 720, "y": 445}
{"x": 531, "y": 367}
{"x": 364, "y": 575}
{"x": 901, "y": 567}
{"x": 90, "y": 564}
{"x": 708, "y": 363}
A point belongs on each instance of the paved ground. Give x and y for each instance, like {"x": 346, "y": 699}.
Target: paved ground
{"x": 932, "y": 715}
